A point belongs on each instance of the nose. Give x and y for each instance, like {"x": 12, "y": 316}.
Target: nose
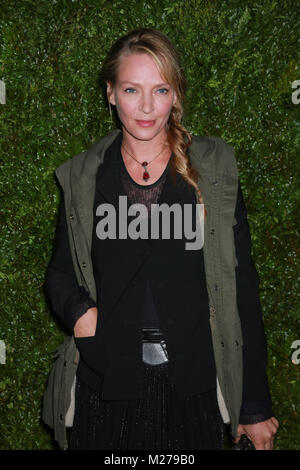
{"x": 146, "y": 103}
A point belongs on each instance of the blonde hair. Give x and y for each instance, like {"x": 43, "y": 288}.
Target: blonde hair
{"x": 166, "y": 57}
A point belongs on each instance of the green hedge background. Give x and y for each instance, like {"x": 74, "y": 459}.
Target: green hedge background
{"x": 240, "y": 58}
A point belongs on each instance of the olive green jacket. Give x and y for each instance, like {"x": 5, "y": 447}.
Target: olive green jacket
{"x": 215, "y": 161}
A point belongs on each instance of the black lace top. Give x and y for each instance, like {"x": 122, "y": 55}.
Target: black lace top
{"x": 147, "y": 195}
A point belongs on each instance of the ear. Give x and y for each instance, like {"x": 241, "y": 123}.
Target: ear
{"x": 110, "y": 93}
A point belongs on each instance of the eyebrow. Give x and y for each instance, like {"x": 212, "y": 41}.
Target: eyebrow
{"x": 137, "y": 84}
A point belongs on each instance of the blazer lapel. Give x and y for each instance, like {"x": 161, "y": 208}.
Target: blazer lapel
{"x": 108, "y": 177}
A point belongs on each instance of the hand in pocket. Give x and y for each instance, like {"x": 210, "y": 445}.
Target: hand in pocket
{"x": 90, "y": 349}
{"x": 90, "y": 353}
{"x": 86, "y": 324}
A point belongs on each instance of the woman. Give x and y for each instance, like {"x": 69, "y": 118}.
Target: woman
{"x": 165, "y": 355}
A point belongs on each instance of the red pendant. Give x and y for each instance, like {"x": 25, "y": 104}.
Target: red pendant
{"x": 146, "y": 176}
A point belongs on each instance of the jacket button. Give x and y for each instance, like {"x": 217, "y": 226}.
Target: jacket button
{"x": 83, "y": 264}
{"x": 216, "y": 287}
{"x": 215, "y": 182}
{"x": 71, "y": 216}
{"x": 222, "y": 344}
{"x": 212, "y": 231}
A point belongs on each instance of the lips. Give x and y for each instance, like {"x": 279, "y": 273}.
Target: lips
{"x": 143, "y": 123}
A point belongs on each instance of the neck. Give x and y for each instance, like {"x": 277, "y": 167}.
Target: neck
{"x": 145, "y": 149}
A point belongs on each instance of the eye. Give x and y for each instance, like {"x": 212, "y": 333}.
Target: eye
{"x": 166, "y": 90}
{"x": 126, "y": 90}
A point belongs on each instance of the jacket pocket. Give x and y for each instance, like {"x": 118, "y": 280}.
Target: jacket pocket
{"x": 87, "y": 347}
{"x": 92, "y": 352}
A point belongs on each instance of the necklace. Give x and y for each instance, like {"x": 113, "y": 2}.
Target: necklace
{"x": 146, "y": 175}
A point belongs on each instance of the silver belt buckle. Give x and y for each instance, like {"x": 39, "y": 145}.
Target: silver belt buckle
{"x": 155, "y": 353}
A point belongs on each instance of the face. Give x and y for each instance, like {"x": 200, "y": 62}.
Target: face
{"x": 142, "y": 98}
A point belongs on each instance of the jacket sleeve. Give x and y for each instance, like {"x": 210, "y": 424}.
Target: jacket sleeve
{"x": 256, "y": 401}
{"x": 68, "y": 300}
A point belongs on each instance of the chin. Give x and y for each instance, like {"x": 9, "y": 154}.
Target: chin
{"x": 147, "y": 133}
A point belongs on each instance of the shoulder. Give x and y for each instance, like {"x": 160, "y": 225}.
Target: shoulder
{"x": 213, "y": 153}
{"x": 63, "y": 170}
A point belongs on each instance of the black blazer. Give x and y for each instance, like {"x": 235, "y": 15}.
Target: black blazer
{"x": 111, "y": 361}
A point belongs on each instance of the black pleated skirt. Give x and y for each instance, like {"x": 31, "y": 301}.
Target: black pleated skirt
{"x": 156, "y": 420}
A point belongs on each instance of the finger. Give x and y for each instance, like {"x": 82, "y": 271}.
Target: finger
{"x": 268, "y": 442}
{"x": 263, "y": 444}
{"x": 268, "y": 445}
{"x": 273, "y": 431}
{"x": 275, "y": 422}
{"x": 259, "y": 445}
